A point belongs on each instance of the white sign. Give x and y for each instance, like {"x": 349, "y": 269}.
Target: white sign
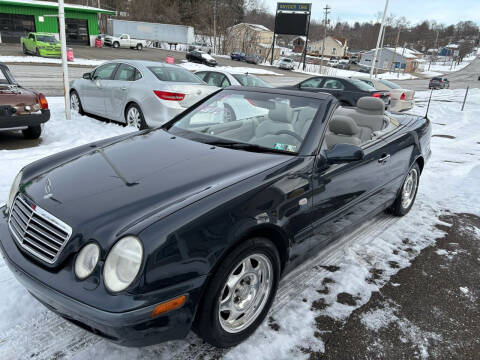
{"x": 41, "y": 19}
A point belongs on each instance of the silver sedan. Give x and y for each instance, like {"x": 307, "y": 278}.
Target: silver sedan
{"x": 139, "y": 93}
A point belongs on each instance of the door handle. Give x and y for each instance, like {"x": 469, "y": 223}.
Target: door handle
{"x": 384, "y": 158}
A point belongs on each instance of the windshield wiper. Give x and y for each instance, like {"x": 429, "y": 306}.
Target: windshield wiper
{"x": 243, "y": 146}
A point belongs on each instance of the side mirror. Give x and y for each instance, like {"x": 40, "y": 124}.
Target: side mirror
{"x": 342, "y": 153}
{"x": 87, "y": 76}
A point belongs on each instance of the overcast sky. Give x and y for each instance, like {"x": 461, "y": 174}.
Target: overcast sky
{"x": 443, "y": 11}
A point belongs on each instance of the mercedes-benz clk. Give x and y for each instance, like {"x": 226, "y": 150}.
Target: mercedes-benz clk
{"x": 142, "y": 237}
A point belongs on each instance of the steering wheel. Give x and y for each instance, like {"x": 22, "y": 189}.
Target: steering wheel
{"x": 291, "y": 133}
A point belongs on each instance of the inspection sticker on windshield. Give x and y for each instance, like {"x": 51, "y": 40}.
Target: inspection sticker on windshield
{"x": 285, "y": 147}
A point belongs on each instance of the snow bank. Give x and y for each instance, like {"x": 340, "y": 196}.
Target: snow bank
{"x": 42, "y": 60}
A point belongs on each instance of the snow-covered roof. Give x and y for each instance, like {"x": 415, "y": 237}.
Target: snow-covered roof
{"x": 253, "y": 26}
{"x": 51, "y": 4}
{"x": 452, "y": 46}
{"x": 408, "y": 53}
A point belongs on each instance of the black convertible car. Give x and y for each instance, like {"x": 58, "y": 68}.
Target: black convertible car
{"x": 348, "y": 91}
{"x": 142, "y": 237}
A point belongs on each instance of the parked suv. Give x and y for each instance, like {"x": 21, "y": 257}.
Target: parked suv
{"x": 285, "y": 63}
{"x": 439, "y": 83}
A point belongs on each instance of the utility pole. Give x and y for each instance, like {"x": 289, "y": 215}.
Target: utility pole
{"x": 214, "y": 26}
{"x": 325, "y": 23}
{"x": 381, "y": 50}
{"x": 396, "y": 44}
{"x": 435, "y": 48}
{"x": 379, "y": 38}
{"x": 403, "y": 54}
{"x": 63, "y": 43}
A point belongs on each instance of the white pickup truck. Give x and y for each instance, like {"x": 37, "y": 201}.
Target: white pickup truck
{"x": 124, "y": 41}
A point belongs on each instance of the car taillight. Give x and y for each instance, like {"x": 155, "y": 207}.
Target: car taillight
{"x": 403, "y": 96}
{"x": 43, "y": 101}
{"x": 377, "y": 95}
{"x": 167, "y": 95}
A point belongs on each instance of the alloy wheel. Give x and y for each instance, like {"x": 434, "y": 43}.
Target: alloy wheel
{"x": 75, "y": 102}
{"x": 134, "y": 118}
{"x": 245, "y": 293}
{"x": 409, "y": 188}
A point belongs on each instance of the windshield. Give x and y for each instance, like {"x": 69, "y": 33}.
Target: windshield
{"x": 287, "y": 60}
{"x": 6, "y": 77}
{"x": 251, "y": 80}
{"x": 47, "y": 38}
{"x": 390, "y": 84}
{"x": 362, "y": 85}
{"x": 175, "y": 74}
{"x": 253, "y": 121}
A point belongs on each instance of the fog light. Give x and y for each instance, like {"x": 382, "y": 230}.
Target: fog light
{"x": 169, "y": 305}
{"x": 87, "y": 260}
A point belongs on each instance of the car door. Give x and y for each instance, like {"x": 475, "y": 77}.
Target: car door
{"x": 124, "y": 41}
{"x": 94, "y": 91}
{"x": 31, "y": 43}
{"x": 344, "y": 194}
{"x": 312, "y": 84}
{"x": 116, "y": 91}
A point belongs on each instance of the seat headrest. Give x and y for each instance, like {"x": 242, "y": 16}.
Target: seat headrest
{"x": 371, "y": 104}
{"x": 281, "y": 113}
{"x": 343, "y": 125}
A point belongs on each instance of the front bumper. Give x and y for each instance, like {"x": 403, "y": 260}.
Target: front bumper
{"x": 128, "y": 328}
{"x": 18, "y": 121}
{"x": 50, "y": 53}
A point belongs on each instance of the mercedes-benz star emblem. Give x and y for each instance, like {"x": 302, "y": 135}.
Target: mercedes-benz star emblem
{"x": 48, "y": 188}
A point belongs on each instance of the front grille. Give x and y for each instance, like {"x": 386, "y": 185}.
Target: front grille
{"x": 37, "y": 231}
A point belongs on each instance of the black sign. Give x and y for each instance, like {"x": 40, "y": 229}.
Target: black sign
{"x": 291, "y": 24}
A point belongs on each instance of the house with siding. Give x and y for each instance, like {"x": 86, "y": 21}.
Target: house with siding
{"x": 405, "y": 59}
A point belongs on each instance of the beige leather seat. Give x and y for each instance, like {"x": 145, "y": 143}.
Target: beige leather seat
{"x": 342, "y": 130}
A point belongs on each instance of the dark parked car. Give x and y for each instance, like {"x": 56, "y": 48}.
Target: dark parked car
{"x": 138, "y": 237}
{"x": 20, "y": 108}
{"x": 252, "y": 59}
{"x": 201, "y": 57}
{"x": 439, "y": 83}
{"x": 239, "y": 56}
{"x": 346, "y": 90}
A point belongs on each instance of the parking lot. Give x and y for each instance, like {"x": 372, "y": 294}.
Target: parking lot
{"x": 394, "y": 288}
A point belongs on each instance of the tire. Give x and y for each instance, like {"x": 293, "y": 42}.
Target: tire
{"x": 139, "y": 47}
{"x": 212, "y": 324}
{"x": 116, "y": 44}
{"x": 134, "y": 117}
{"x": 37, "y": 53}
{"x": 76, "y": 105}
{"x": 33, "y": 132}
{"x": 24, "y": 49}
{"x": 401, "y": 207}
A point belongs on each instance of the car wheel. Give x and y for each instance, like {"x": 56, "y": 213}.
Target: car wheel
{"x": 134, "y": 117}
{"x": 139, "y": 47}
{"x": 116, "y": 44}
{"x": 406, "y": 197}
{"x": 37, "y": 53}
{"x": 75, "y": 103}
{"x": 24, "y": 49}
{"x": 33, "y": 132}
{"x": 239, "y": 294}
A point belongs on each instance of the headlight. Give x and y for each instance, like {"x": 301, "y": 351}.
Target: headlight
{"x": 123, "y": 263}
{"x": 87, "y": 260}
{"x": 14, "y": 189}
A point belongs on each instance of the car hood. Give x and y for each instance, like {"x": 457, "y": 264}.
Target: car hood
{"x": 119, "y": 184}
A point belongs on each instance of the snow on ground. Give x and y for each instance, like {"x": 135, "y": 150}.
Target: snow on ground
{"x": 449, "y": 183}
{"x": 232, "y": 69}
{"x": 43, "y": 60}
{"x": 442, "y": 67}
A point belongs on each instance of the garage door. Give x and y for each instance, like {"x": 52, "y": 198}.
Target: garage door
{"x": 13, "y": 27}
{"x": 77, "y": 31}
